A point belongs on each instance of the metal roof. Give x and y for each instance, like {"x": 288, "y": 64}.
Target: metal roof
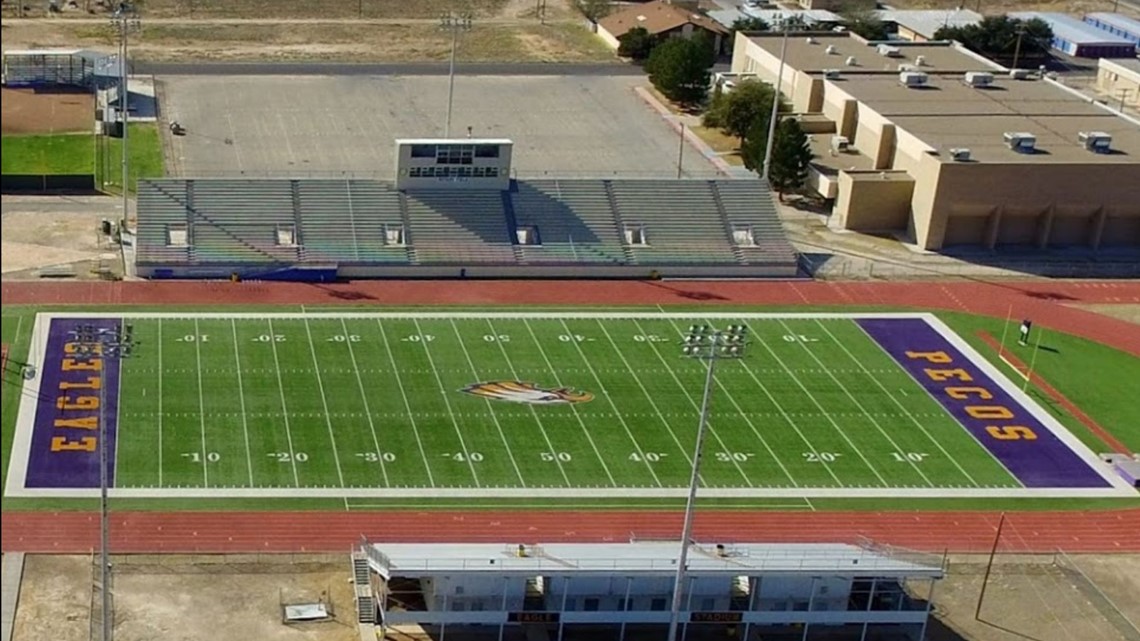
{"x": 1124, "y": 23}
{"x": 1072, "y": 30}
{"x": 653, "y": 557}
{"x": 774, "y": 16}
{"x": 927, "y": 22}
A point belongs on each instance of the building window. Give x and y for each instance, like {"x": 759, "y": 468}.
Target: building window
{"x": 455, "y": 154}
{"x": 635, "y": 235}
{"x": 590, "y": 605}
{"x": 423, "y": 151}
{"x": 486, "y": 151}
{"x": 286, "y": 235}
{"x": 492, "y": 172}
{"x": 657, "y": 605}
{"x": 708, "y": 604}
{"x": 394, "y": 234}
{"x": 623, "y": 605}
{"x": 177, "y": 236}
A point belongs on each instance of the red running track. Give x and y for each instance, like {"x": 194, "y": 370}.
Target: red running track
{"x": 172, "y": 532}
{"x": 1044, "y": 302}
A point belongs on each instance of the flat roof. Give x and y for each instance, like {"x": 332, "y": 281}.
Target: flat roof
{"x": 1072, "y": 30}
{"x": 454, "y": 141}
{"x": 775, "y": 16}
{"x": 926, "y": 22}
{"x": 653, "y": 557}
{"x": 813, "y": 57}
{"x": 1122, "y": 22}
{"x": 1127, "y": 64}
{"x": 949, "y": 114}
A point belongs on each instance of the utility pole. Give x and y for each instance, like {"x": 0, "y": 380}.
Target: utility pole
{"x": 681, "y": 151}
{"x": 125, "y": 20}
{"x": 1017, "y": 48}
{"x": 711, "y": 345}
{"x": 455, "y": 23}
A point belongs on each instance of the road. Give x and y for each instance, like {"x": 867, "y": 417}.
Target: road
{"x": 382, "y": 69}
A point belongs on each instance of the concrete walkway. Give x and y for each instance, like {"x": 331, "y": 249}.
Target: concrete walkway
{"x": 11, "y": 575}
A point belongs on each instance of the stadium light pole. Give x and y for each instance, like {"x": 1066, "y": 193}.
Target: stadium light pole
{"x": 107, "y": 344}
{"x": 124, "y": 20}
{"x": 775, "y": 107}
{"x": 708, "y": 344}
{"x": 456, "y": 23}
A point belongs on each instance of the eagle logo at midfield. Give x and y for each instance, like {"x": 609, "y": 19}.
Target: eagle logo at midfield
{"x": 524, "y": 392}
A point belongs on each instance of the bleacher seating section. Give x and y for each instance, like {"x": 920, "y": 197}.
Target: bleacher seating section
{"x": 249, "y": 222}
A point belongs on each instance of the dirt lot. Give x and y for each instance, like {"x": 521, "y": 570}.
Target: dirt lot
{"x": 26, "y": 111}
{"x": 186, "y": 598}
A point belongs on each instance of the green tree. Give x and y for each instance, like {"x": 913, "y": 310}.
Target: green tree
{"x": 755, "y": 143}
{"x": 739, "y": 108}
{"x": 594, "y": 10}
{"x": 864, "y": 22}
{"x": 791, "y": 155}
{"x": 637, "y": 43}
{"x": 997, "y": 37}
{"x": 679, "y": 69}
{"x": 749, "y": 24}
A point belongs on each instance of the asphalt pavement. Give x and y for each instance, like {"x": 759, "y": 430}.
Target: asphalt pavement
{"x": 382, "y": 69}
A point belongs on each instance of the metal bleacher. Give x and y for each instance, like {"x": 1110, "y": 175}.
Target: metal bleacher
{"x": 574, "y": 220}
{"x": 681, "y": 222}
{"x": 452, "y": 226}
{"x": 347, "y": 221}
{"x": 573, "y": 227}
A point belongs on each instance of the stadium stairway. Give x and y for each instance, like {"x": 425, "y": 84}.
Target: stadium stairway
{"x": 365, "y": 604}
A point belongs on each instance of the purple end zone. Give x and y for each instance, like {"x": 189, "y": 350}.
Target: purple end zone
{"x": 1044, "y": 461}
{"x": 60, "y": 455}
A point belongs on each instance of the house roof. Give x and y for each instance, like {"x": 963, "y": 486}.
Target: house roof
{"x": 926, "y": 22}
{"x": 1072, "y": 30}
{"x": 656, "y": 17}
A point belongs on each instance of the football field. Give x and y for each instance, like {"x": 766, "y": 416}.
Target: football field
{"x": 528, "y": 404}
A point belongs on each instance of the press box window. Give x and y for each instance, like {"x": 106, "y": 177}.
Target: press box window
{"x": 423, "y": 151}
{"x": 486, "y": 151}
{"x": 177, "y": 236}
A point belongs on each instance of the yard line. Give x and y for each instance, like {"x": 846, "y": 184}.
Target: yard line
{"x": 364, "y": 397}
{"x": 533, "y": 411}
{"x": 817, "y": 404}
{"x": 241, "y": 395}
{"x": 284, "y": 407}
{"x": 891, "y": 396}
{"x": 779, "y": 407}
{"x": 324, "y": 401}
{"x": 447, "y": 402}
{"x": 736, "y": 405}
{"x": 645, "y": 392}
{"x": 159, "y": 405}
{"x": 617, "y": 412}
{"x": 854, "y": 400}
{"x": 573, "y": 408}
{"x": 201, "y": 403}
{"x": 407, "y": 405}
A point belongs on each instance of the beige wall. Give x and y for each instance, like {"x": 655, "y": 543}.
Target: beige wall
{"x": 748, "y": 57}
{"x": 1067, "y": 198}
{"x": 869, "y": 203}
{"x": 1112, "y": 79}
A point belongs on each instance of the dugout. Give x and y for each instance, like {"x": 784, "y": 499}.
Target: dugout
{"x": 42, "y": 68}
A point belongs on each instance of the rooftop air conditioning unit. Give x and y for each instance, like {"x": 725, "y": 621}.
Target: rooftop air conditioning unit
{"x": 979, "y": 78}
{"x": 1020, "y": 74}
{"x": 840, "y": 144}
{"x": 831, "y": 50}
{"x": 960, "y": 154}
{"x": 906, "y": 67}
{"x": 1020, "y": 141}
{"x": 810, "y": 40}
{"x": 831, "y": 74}
{"x": 913, "y": 78}
{"x": 920, "y": 61}
{"x": 889, "y": 51}
{"x": 851, "y": 62}
{"x": 1097, "y": 142}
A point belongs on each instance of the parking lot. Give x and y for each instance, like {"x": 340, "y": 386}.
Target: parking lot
{"x": 568, "y": 126}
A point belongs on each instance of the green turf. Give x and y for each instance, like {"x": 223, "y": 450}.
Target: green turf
{"x": 656, "y": 425}
{"x": 145, "y": 148}
{"x": 48, "y": 154}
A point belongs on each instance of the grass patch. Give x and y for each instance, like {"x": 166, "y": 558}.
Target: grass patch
{"x": 727, "y": 147}
{"x": 48, "y": 154}
{"x": 145, "y": 149}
